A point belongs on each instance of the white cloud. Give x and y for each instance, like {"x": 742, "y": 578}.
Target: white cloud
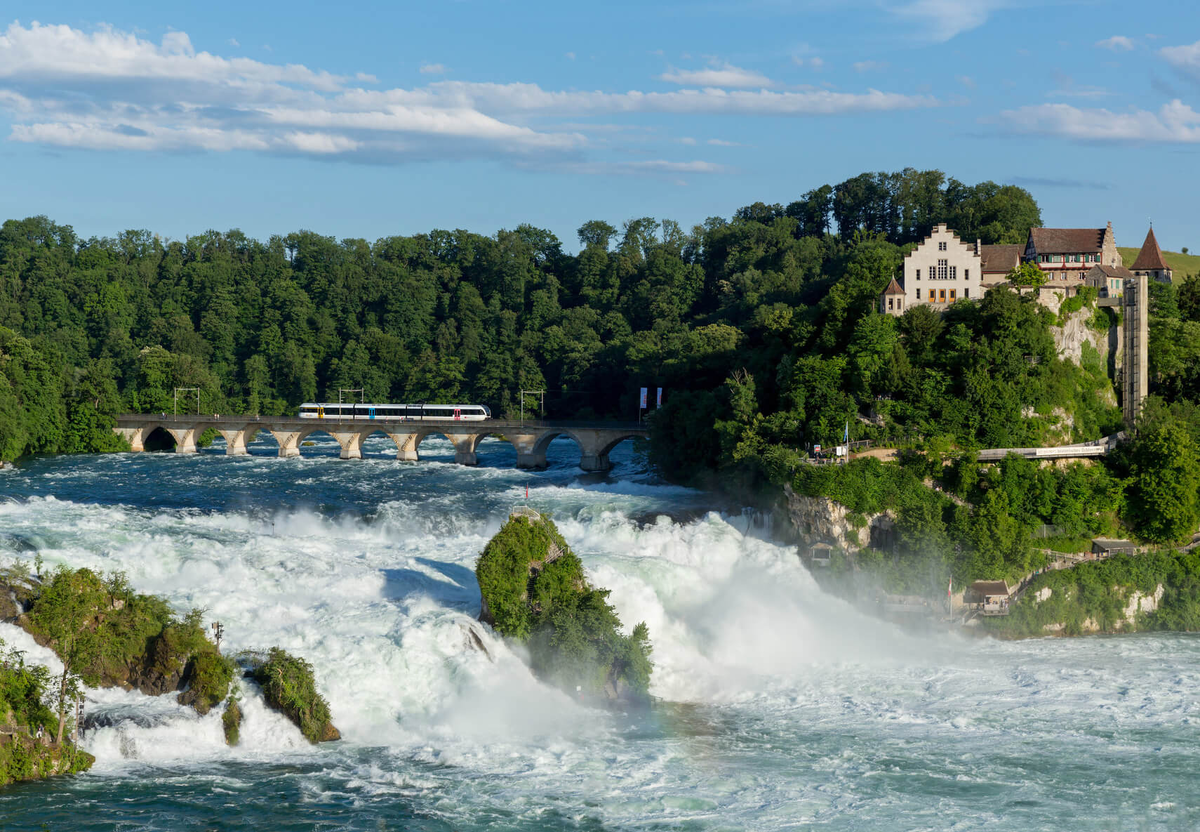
{"x": 1117, "y": 43}
{"x": 112, "y": 90}
{"x": 721, "y": 75}
{"x": 941, "y": 20}
{"x": 814, "y": 62}
{"x": 688, "y": 140}
{"x": 967, "y": 81}
{"x": 234, "y": 42}
{"x": 60, "y": 53}
{"x": 1174, "y": 123}
{"x": 570, "y": 56}
{"x": 433, "y": 69}
{"x": 1184, "y": 58}
{"x": 869, "y": 66}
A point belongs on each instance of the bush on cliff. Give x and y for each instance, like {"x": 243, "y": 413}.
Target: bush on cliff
{"x": 108, "y": 635}
{"x": 289, "y": 686}
{"x": 534, "y": 591}
{"x": 23, "y": 756}
{"x": 1094, "y": 597}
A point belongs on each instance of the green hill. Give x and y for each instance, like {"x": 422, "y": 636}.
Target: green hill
{"x": 1181, "y": 264}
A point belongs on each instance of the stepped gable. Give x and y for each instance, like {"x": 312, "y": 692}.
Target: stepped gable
{"x": 1150, "y": 258}
{"x": 893, "y": 288}
{"x": 1067, "y": 240}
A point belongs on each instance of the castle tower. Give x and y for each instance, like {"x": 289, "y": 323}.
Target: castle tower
{"x": 1150, "y": 262}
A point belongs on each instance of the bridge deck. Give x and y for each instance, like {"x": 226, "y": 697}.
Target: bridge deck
{"x": 131, "y": 420}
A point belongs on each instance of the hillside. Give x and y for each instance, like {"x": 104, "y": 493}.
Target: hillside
{"x": 1181, "y": 264}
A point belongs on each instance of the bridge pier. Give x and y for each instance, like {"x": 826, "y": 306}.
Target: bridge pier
{"x": 406, "y": 446}
{"x": 464, "y": 447}
{"x": 235, "y": 442}
{"x": 135, "y": 437}
{"x": 289, "y": 442}
{"x": 185, "y": 439}
{"x": 351, "y": 443}
{"x": 595, "y": 462}
{"x": 529, "y": 454}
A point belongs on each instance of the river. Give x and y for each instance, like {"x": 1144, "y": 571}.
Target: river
{"x": 779, "y": 706}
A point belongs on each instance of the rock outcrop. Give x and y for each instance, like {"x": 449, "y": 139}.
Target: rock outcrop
{"x": 822, "y": 520}
{"x": 289, "y": 686}
{"x": 534, "y": 592}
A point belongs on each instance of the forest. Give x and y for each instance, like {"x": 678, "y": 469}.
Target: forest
{"x": 761, "y": 329}
{"x": 95, "y": 326}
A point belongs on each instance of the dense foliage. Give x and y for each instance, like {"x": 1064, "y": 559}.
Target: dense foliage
{"x": 534, "y": 590}
{"x": 101, "y": 325}
{"x": 1096, "y": 596}
{"x": 290, "y": 687}
{"x": 106, "y": 634}
{"x": 24, "y": 690}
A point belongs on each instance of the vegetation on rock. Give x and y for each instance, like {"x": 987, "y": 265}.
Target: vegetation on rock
{"x": 231, "y": 721}
{"x": 289, "y": 686}
{"x": 534, "y": 591}
{"x": 108, "y": 635}
{"x": 1096, "y": 597}
{"x": 24, "y": 691}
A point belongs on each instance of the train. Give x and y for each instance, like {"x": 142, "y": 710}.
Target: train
{"x": 359, "y": 411}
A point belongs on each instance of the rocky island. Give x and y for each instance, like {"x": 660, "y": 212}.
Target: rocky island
{"x": 534, "y": 592}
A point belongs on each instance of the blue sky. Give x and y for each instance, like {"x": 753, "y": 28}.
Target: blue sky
{"x": 394, "y": 118}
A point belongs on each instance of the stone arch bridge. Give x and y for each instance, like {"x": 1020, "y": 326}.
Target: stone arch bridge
{"x": 531, "y": 439}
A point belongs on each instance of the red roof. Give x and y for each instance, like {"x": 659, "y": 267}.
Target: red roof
{"x": 1000, "y": 259}
{"x": 1067, "y": 240}
{"x": 1150, "y": 257}
{"x": 893, "y": 288}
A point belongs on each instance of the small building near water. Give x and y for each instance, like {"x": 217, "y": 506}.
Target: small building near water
{"x": 988, "y": 597}
{"x": 821, "y": 554}
{"x": 1103, "y": 547}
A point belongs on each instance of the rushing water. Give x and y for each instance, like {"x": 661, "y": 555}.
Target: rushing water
{"x": 781, "y": 707}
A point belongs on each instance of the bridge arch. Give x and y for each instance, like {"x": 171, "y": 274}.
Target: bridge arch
{"x": 606, "y": 449}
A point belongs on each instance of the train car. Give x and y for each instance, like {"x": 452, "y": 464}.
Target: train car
{"x": 358, "y": 411}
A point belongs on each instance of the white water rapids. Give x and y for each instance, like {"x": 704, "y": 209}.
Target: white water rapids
{"x": 781, "y": 706}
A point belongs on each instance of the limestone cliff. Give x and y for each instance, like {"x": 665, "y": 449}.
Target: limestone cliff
{"x": 822, "y": 520}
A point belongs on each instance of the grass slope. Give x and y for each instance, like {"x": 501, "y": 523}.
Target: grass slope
{"x": 1181, "y": 264}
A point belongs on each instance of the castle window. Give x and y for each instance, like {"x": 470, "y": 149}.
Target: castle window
{"x": 954, "y": 272}
{"x": 966, "y": 274}
{"x": 918, "y": 293}
{"x": 891, "y": 304}
{"x": 966, "y": 291}
{"x": 918, "y": 278}
{"x": 941, "y": 246}
{"x": 942, "y": 269}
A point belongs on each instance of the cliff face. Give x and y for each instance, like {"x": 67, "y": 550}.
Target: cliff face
{"x": 822, "y": 520}
{"x": 1137, "y": 604}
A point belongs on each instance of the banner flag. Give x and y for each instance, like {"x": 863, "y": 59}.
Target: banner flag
{"x": 659, "y": 403}
{"x": 643, "y": 404}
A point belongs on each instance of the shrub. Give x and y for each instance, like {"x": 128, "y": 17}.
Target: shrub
{"x": 289, "y": 686}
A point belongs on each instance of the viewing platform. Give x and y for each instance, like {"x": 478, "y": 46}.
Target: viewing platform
{"x": 530, "y": 438}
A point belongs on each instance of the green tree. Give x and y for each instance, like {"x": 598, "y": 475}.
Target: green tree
{"x": 1164, "y": 498}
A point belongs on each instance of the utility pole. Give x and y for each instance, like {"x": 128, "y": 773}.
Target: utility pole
{"x": 179, "y": 390}
{"x": 358, "y": 390}
{"x": 541, "y": 394}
